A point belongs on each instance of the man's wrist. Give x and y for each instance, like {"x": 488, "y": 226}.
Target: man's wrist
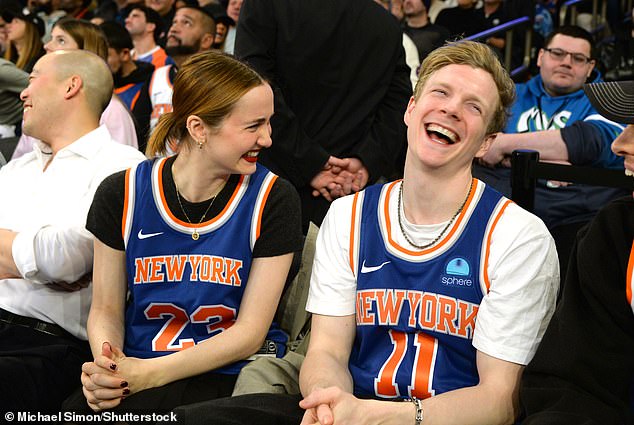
{"x": 418, "y": 413}
{"x": 503, "y": 146}
{"x": 391, "y": 412}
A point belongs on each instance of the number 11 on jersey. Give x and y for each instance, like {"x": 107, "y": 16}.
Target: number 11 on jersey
{"x": 426, "y": 347}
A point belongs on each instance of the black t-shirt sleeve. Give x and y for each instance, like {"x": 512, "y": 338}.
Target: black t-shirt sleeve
{"x": 105, "y": 216}
{"x": 584, "y": 142}
{"x": 281, "y": 222}
{"x": 280, "y": 227}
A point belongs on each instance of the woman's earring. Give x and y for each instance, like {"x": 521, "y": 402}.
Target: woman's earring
{"x": 200, "y": 144}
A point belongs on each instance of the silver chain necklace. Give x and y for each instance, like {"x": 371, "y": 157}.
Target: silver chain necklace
{"x": 195, "y": 235}
{"x": 400, "y": 220}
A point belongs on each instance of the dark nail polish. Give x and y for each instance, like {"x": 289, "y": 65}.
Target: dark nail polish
{"x": 124, "y": 384}
{"x": 126, "y": 391}
{"x": 113, "y": 366}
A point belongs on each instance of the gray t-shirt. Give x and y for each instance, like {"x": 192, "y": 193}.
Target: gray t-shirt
{"x": 12, "y": 81}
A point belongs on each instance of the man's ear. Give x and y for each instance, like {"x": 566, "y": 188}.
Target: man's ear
{"x": 125, "y": 55}
{"x": 408, "y": 111}
{"x": 488, "y": 140}
{"x": 73, "y": 86}
{"x": 150, "y": 27}
{"x": 593, "y": 64}
{"x": 207, "y": 41}
{"x": 540, "y": 54}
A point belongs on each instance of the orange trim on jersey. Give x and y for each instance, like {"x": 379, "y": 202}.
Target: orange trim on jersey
{"x": 444, "y": 241}
{"x": 123, "y": 88}
{"x": 167, "y": 77}
{"x": 485, "y": 273}
{"x": 126, "y": 203}
{"x": 134, "y": 99}
{"x": 261, "y": 212}
{"x": 158, "y": 58}
{"x": 628, "y": 279}
{"x": 183, "y": 223}
{"x": 353, "y": 225}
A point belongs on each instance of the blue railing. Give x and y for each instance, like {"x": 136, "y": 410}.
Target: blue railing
{"x": 508, "y": 28}
{"x": 596, "y": 24}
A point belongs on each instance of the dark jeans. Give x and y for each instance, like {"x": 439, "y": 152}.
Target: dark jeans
{"x": 38, "y": 370}
{"x": 249, "y": 409}
{"x": 163, "y": 399}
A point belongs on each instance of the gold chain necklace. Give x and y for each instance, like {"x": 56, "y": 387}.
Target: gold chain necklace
{"x": 400, "y": 221}
{"x": 196, "y": 235}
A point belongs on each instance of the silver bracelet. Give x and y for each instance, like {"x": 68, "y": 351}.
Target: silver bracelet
{"x": 419, "y": 410}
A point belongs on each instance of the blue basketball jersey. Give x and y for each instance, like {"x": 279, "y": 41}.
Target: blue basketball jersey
{"x": 129, "y": 94}
{"x": 183, "y": 291}
{"x": 416, "y": 309}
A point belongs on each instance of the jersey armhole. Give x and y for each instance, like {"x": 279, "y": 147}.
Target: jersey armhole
{"x": 128, "y": 204}
{"x": 485, "y": 281}
{"x": 260, "y": 203}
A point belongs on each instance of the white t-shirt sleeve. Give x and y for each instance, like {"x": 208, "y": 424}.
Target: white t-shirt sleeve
{"x": 524, "y": 275}
{"x": 332, "y": 284}
{"x": 513, "y": 315}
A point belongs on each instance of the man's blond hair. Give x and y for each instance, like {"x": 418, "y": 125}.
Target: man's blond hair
{"x": 476, "y": 55}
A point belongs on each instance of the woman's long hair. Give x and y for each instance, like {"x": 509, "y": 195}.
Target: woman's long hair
{"x": 87, "y": 35}
{"x": 208, "y": 85}
{"x": 32, "y": 47}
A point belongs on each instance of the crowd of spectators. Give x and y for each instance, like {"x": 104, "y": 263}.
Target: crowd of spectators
{"x": 25, "y": 27}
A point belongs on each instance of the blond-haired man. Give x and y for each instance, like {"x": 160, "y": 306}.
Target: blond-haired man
{"x": 402, "y": 271}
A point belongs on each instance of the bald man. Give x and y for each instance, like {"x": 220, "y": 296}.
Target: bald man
{"x": 45, "y": 251}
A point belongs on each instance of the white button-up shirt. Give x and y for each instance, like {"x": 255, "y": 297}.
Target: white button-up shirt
{"x": 48, "y": 209}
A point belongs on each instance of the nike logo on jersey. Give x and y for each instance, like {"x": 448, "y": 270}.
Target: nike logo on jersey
{"x": 371, "y": 269}
{"x": 142, "y": 235}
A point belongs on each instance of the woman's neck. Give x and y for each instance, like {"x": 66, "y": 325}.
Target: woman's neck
{"x": 194, "y": 179}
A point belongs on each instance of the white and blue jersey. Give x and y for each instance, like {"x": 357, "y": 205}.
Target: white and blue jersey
{"x": 160, "y": 91}
{"x": 184, "y": 291}
{"x": 416, "y": 310}
{"x": 536, "y": 110}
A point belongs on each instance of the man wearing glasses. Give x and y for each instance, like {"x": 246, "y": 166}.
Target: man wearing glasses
{"x": 552, "y": 115}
